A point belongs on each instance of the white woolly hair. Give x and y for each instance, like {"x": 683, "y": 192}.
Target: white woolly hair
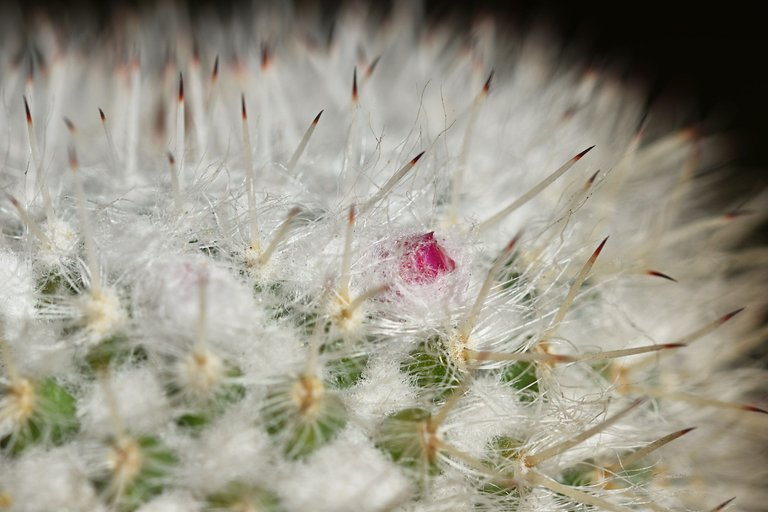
{"x": 279, "y": 262}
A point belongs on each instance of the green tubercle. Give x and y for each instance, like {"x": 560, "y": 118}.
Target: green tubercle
{"x": 140, "y": 468}
{"x": 113, "y": 352}
{"x": 238, "y": 496}
{"x": 52, "y": 418}
{"x": 521, "y": 375}
{"x": 204, "y": 412}
{"x": 303, "y": 415}
{"x": 347, "y": 371}
{"x": 409, "y": 439}
{"x": 431, "y": 370}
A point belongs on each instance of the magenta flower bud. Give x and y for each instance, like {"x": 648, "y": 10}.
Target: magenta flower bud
{"x": 422, "y": 259}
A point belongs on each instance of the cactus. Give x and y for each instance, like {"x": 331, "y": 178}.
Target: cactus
{"x": 480, "y": 278}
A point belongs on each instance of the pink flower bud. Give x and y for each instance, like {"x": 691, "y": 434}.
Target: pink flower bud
{"x": 422, "y": 260}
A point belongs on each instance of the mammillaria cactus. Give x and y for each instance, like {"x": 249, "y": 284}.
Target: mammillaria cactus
{"x": 283, "y": 264}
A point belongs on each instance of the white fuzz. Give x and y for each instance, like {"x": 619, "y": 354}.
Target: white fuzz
{"x": 141, "y": 403}
{"x": 44, "y": 357}
{"x": 173, "y": 502}
{"x": 63, "y": 243}
{"x": 232, "y": 450}
{"x": 286, "y": 263}
{"x": 167, "y": 302}
{"x": 17, "y": 293}
{"x": 488, "y": 411}
{"x": 382, "y": 391}
{"x": 348, "y": 475}
{"x": 66, "y": 483}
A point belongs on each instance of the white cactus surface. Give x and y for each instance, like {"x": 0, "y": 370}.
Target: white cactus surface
{"x": 285, "y": 263}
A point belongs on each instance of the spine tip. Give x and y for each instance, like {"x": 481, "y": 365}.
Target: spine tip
{"x": 580, "y": 155}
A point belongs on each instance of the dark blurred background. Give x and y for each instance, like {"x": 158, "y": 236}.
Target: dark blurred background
{"x": 712, "y": 58}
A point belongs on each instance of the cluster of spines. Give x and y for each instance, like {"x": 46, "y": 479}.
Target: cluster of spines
{"x": 307, "y": 410}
